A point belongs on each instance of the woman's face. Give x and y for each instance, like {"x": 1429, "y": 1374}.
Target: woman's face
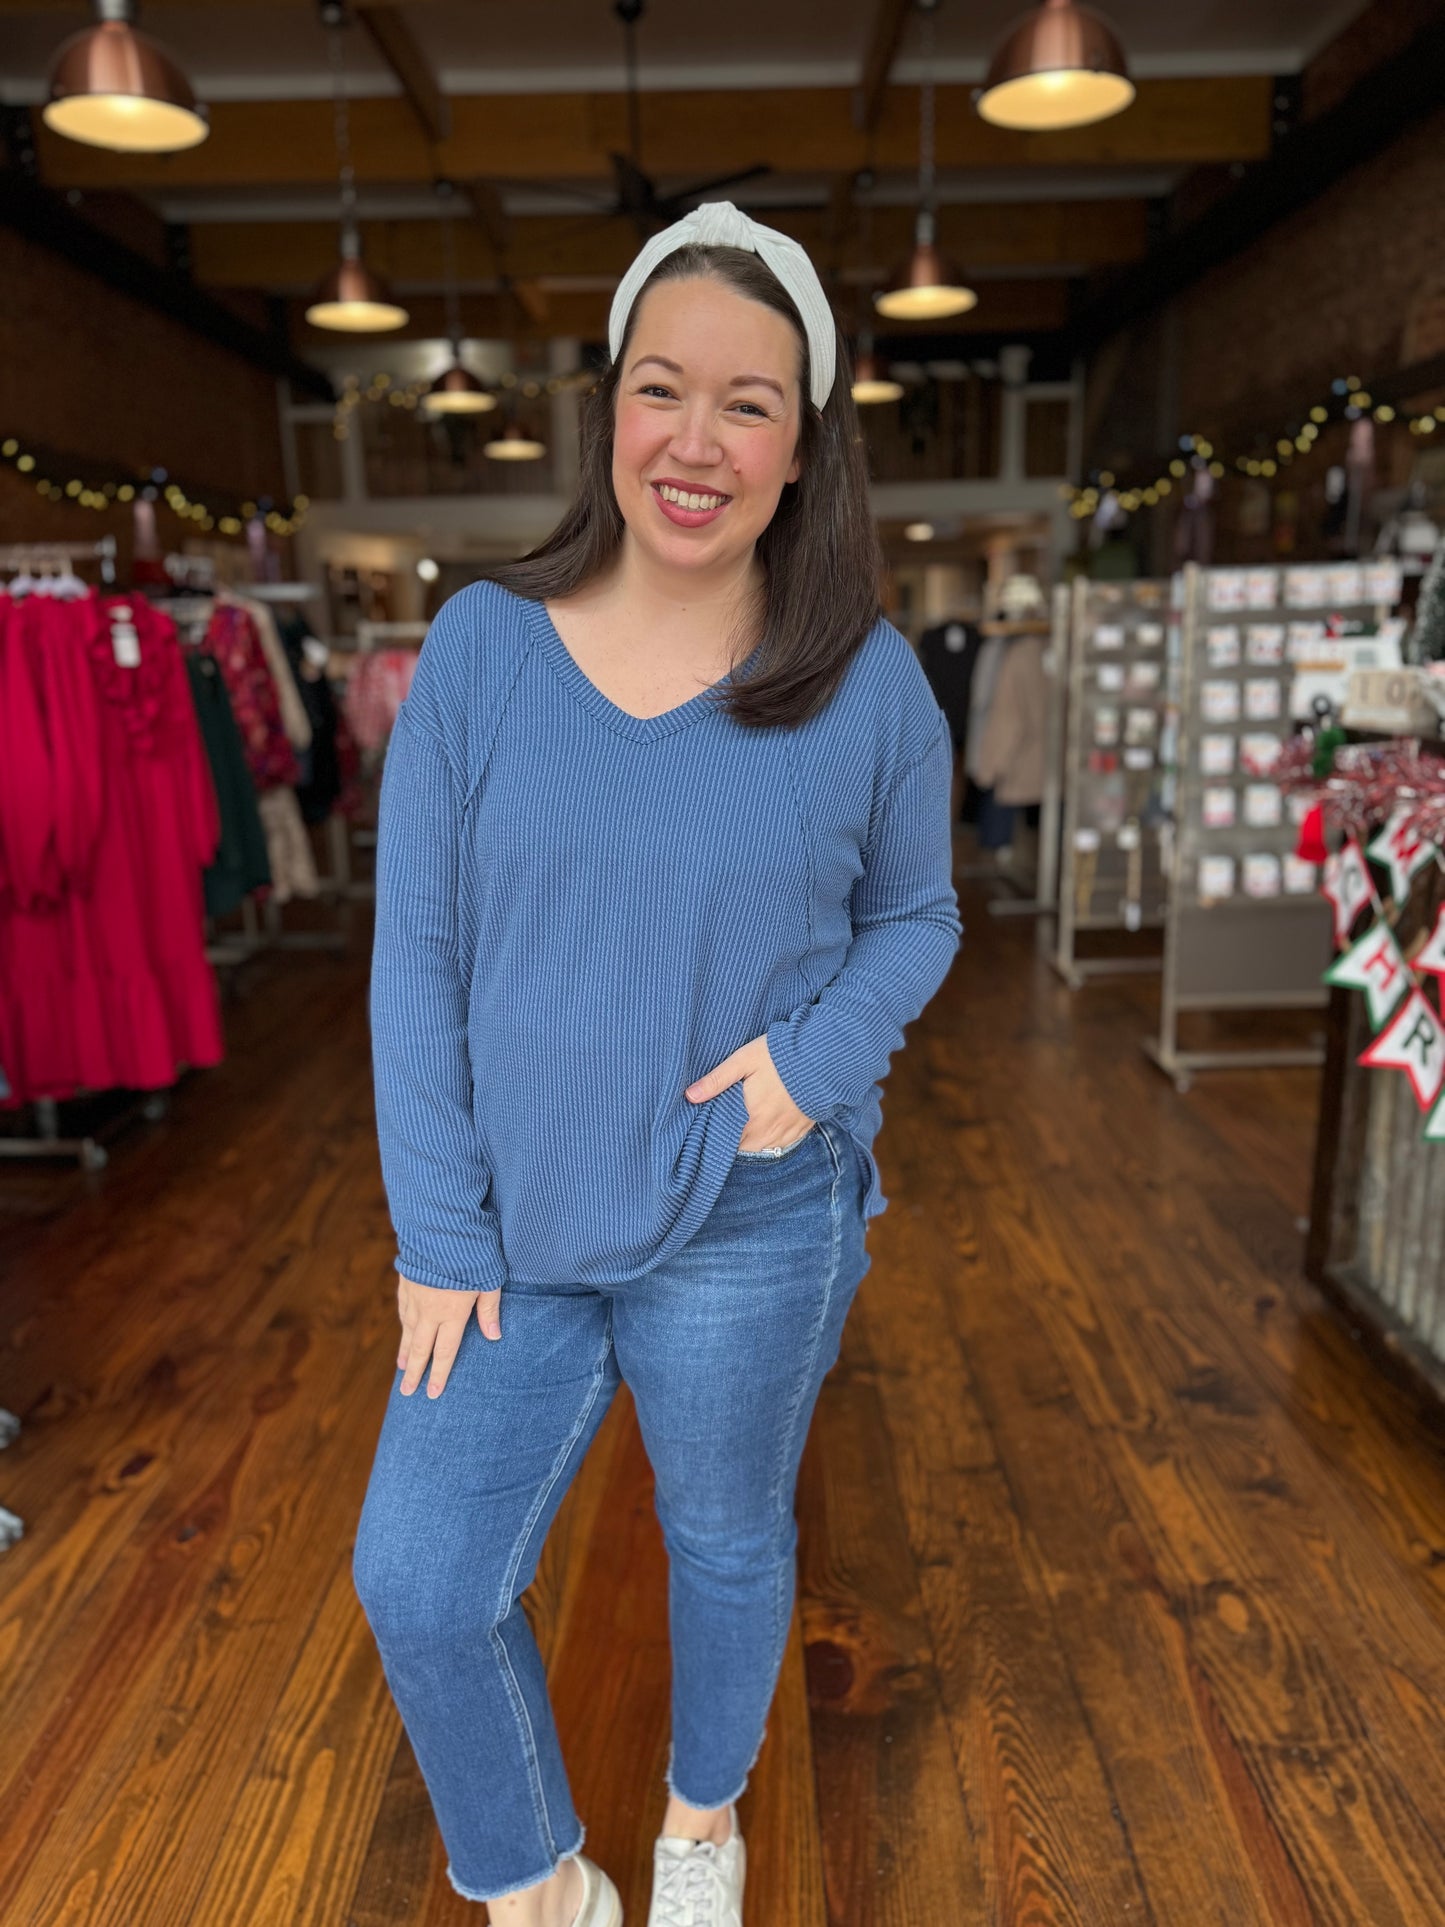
{"x": 708, "y": 406}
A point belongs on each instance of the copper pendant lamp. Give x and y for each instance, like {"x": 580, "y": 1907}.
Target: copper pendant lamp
{"x": 872, "y": 381}
{"x": 928, "y": 287}
{"x": 1060, "y": 67}
{"x": 113, "y": 87}
{"x": 514, "y": 444}
{"x": 456, "y": 390}
{"x": 350, "y": 299}
{"x": 353, "y": 300}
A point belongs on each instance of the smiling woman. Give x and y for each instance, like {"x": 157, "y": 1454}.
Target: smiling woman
{"x": 663, "y": 871}
{"x": 704, "y": 454}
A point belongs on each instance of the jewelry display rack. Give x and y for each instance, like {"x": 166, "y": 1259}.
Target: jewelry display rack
{"x": 1246, "y": 928}
{"x": 1122, "y": 648}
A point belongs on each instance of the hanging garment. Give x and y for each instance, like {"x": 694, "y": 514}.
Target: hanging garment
{"x": 949, "y": 655}
{"x": 108, "y": 985}
{"x": 294, "y": 719}
{"x": 1011, "y": 751}
{"x": 322, "y": 782}
{"x": 288, "y": 847}
{"x": 29, "y": 871}
{"x": 375, "y": 690}
{"x": 241, "y": 864}
{"x": 234, "y": 641}
{"x": 985, "y": 680}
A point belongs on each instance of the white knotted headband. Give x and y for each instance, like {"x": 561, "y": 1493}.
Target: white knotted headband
{"x": 720, "y": 224}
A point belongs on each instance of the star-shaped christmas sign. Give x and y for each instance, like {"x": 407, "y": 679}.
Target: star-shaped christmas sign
{"x": 1374, "y": 965}
{"x": 1347, "y": 884}
{"x": 1413, "y": 1043}
{"x": 1432, "y": 957}
{"x": 1403, "y": 850}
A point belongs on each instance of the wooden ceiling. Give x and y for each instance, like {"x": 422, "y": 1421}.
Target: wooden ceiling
{"x": 1032, "y": 218}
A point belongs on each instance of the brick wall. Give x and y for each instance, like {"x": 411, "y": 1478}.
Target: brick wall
{"x": 1345, "y": 286}
{"x": 1354, "y": 283}
{"x": 89, "y": 371}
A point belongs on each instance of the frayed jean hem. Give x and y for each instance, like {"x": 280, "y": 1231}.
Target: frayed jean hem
{"x": 522, "y": 1885}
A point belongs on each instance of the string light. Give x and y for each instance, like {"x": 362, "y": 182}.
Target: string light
{"x": 81, "y": 493}
{"x": 382, "y": 387}
{"x": 1350, "y": 400}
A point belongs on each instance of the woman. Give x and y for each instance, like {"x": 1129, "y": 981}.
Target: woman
{"x": 664, "y": 869}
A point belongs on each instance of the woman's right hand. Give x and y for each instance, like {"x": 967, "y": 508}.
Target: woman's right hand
{"x": 433, "y": 1319}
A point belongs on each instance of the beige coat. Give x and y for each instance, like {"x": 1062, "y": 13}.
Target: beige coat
{"x": 1011, "y": 755}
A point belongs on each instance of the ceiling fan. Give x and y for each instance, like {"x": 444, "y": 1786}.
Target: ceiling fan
{"x": 635, "y": 197}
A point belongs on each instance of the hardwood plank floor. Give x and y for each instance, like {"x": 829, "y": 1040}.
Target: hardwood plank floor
{"x": 1122, "y": 1570}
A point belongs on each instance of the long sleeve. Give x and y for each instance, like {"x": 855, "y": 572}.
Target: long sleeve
{"x": 906, "y": 931}
{"x": 436, "y": 1179}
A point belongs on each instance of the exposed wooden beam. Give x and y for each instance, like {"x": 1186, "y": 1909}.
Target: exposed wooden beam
{"x": 889, "y": 19}
{"x": 397, "y": 45}
{"x": 535, "y": 303}
{"x": 1043, "y": 236}
{"x": 543, "y": 137}
{"x": 486, "y": 204}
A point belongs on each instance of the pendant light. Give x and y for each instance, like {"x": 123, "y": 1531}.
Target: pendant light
{"x": 351, "y": 299}
{"x": 871, "y": 379}
{"x": 456, "y": 391}
{"x": 928, "y": 288}
{"x": 872, "y": 382}
{"x": 514, "y": 444}
{"x": 1062, "y": 66}
{"x": 112, "y": 86}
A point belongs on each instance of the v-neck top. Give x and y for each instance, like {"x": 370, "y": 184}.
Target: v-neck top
{"x": 641, "y": 729}
{"x": 581, "y": 911}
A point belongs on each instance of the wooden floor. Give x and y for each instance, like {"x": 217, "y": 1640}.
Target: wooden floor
{"x": 1122, "y": 1591}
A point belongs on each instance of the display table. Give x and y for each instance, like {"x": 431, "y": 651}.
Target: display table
{"x": 1377, "y": 1215}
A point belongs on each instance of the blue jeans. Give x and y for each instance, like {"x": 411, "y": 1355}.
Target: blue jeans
{"x": 724, "y": 1346}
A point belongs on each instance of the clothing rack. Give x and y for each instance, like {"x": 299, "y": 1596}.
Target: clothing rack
{"x": 88, "y": 1151}
{"x": 40, "y": 555}
{"x": 389, "y": 635}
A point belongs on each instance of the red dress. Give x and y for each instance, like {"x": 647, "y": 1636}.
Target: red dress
{"x": 106, "y": 982}
{"x": 232, "y": 640}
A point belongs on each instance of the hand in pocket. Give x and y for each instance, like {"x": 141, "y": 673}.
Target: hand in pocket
{"x": 433, "y": 1319}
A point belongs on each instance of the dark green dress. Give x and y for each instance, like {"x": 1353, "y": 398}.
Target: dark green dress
{"x": 241, "y": 864}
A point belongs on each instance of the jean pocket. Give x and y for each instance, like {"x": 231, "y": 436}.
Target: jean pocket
{"x": 775, "y": 1152}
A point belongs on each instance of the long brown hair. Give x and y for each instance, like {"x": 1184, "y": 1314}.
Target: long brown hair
{"x": 821, "y": 558}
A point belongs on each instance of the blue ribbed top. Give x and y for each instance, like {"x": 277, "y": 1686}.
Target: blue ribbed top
{"x": 579, "y": 912}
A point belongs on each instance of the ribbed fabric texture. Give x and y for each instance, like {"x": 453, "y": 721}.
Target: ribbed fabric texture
{"x": 579, "y": 912}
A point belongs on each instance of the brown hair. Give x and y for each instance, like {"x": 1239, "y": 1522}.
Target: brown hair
{"x": 821, "y": 557}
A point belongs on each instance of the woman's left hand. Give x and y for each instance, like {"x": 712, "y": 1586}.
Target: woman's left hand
{"x": 774, "y": 1119}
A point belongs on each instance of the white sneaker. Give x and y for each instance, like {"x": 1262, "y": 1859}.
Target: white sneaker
{"x": 601, "y": 1902}
{"x": 698, "y": 1884}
